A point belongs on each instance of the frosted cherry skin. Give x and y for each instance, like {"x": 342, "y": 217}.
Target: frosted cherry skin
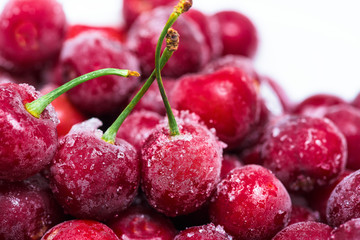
{"x": 91, "y": 178}
{"x": 251, "y": 203}
{"x": 80, "y": 230}
{"x": 191, "y": 56}
{"x": 304, "y": 152}
{"x": 90, "y": 51}
{"x": 205, "y": 232}
{"x": 305, "y": 231}
{"x": 349, "y": 230}
{"x": 226, "y": 100}
{"x": 238, "y": 34}
{"x": 31, "y": 32}
{"x": 28, "y": 209}
{"x": 180, "y": 172}
{"x": 27, "y": 144}
{"x": 343, "y": 203}
{"x": 139, "y": 223}
{"x": 347, "y": 119}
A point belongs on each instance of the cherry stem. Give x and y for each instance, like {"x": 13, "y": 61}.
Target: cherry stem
{"x": 37, "y": 106}
{"x": 183, "y": 6}
{"x": 110, "y": 134}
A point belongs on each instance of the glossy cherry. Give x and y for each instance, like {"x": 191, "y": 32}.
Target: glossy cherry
{"x": 111, "y": 32}
{"x": 251, "y": 203}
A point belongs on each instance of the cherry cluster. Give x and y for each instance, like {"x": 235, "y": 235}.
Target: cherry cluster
{"x": 197, "y": 155}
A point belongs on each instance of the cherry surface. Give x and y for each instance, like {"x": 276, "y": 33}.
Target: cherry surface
{"x": 27, "y": 144}
{"x": 31, "y": 33}
{"x": 180, "y": 172}
{"x": 238, "y": 34}
{"x": 140, "y": 223}
{"x": 28, "y": 209}
{"x": 226, "y": 100}
{"x": 305, "y": 231}
{"x": 343, "y": 203}
{"x": 303, "y": 214}
{"x": 347, "y": 119}
{"x": 80, "y": 230}
{"x": 90, "y": 51}
{"x": 349, "y": 230}
{"x": 205, "y": 232}
{"x": 251, "y": 203}
{"x": 192, "y": 54}
{"x": 91, "y": 178}
{"x": 304, "y": 152}
{"x": 138, "y": 126}
{"x": 111, "y": 32}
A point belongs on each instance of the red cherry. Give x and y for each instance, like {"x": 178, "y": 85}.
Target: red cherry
{"x": 302, "y": 214}
{"x": 27, "y": 144}
{"x": 31, "y": 32}
{"x": 28, "y": 209}
{"x": 80, "y": 230}
{"x": 229, "y": 163}
{"x": 226, "y": 100}
{"x": 91, "y": 178}
{"x": 305, "y": 231}
{"x": 238, "y": 34}
{"x": 111, "y": 32}
{"x": 349, "y": 230}
{"x": 251, "y": 203}
{"x": 205, "y": 232}
{"x": 180, "y": 172}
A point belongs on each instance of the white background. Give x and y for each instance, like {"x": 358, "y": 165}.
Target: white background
{"x": 308, "y": 46}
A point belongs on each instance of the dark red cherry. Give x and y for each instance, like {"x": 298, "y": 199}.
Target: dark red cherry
{"x": 251, "y": 203}
{"x": 303, "y": 214}
{"x": 343, "y": 203}
{"x": 80, "y": 230}
{"x": 226, "y": 100}
{"x": 111, "y": 32}
{"x": 92, "y": 178}
{"x": 305, "y": 231}
{"x": 93, "y": 50}
{"x": 238, "y": 33}
{"x": 229, "y": 163}
{"x": 66, "y": 112}
{"x": 205, "y": 232}
{"x": 31, "y": 32}
{"x": 347, "y": 119}
{"x": 191, "y": 56}
{"x": 139, "y": 223}
{"x": 304, "y": 152}
{"x": 133, "y": 8}
{"x": 137, "y": 127}
{"x": 316, "y": 105}
{"x": 27, "y": 144}
{"x": 349, "y": 230}
{"x": 179, "y": 173}
{"x": 28, "y": 209}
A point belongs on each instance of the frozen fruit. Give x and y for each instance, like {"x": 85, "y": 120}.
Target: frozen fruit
{"x": 349, "y": 230}
{"x": 305, "y": 231}
{"x": 205, "y": 232}
{"x": 302, "y": 214}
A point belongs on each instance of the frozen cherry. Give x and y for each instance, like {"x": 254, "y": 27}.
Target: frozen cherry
{"x": 251, "y": 203}
{"x": 80, "y": 230}
{"x": 302, "y": 214}
{"x": 347, "y": 119}
{"x": 133, "y": 8}
{"x": 343, "y": 203}
{"x": 28, "y": 209}
{"x": 139, "y": 223}
{"x": 305, "y": 231}
{"x": 92, "y": 178}
{"x": 304, "y": 152}
{"x": 27, "y": 144}
{"x": 180, "y": 172}
{"x": 317, "y": 104}
{"x": 226, "y": 100}
{"x": 238, "y": 33}
{"x": 192, "y": 54}
{"x": 93, "y": 50}
{"x": 137, "y": 127}
{"x": 205, "y": 232}
{"x": 31, "y": 32}
{"x": 229, "y": 163}
{"x": 349, "y": 230}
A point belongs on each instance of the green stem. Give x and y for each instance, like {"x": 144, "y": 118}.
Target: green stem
{"x": 110, "y": 134}
{"x": 182, "y": 7}
{"x": 37, "y": 106}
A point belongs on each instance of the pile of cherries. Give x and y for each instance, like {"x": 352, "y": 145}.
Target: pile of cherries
{"x": 221, "y": 165}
